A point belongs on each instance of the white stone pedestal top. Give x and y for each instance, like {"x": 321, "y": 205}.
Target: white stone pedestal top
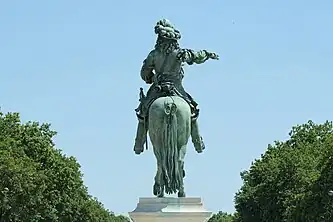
{"x": 170, "y": 209}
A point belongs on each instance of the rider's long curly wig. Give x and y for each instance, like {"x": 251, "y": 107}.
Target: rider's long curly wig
{"x": 166, "y": 45}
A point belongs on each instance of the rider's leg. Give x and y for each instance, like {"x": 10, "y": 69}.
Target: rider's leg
{"x": 195, "y": 134}
{"x": 140, "y": 139}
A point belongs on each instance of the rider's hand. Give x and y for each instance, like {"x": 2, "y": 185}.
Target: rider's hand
{"x": 213, "y": 55}
{"x": 149, "y": 78}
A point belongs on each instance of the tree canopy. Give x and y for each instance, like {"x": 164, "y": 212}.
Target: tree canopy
{"x": 292, "y": 180}
{"x": 221, "y": 217}
{"x": 40, "y": 183}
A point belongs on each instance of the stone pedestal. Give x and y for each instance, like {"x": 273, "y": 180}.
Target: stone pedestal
{"x": 170, "y": 209}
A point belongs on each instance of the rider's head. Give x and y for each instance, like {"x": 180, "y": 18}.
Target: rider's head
{"x": 168, "y": 36}
{"x": 166, "y": 30}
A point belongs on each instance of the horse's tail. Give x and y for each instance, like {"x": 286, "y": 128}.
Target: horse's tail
{"x": 169, "y": 153}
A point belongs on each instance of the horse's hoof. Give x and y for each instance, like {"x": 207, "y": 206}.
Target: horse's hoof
{"x": 181, "y": 194}
{"x": 156, "y": 190}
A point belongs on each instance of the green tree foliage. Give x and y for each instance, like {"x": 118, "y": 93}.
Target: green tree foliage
{"x": 317, "y": 204}
{"x": 38, "y": 182}
{"x": 221, "y": 217}
{"x": 292, "y": 180}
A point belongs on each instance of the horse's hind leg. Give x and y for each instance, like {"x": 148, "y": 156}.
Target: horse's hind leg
{"x": 161, "y": 194}
{"x": 158, "y": 188}
{"x": 181, "y": 191}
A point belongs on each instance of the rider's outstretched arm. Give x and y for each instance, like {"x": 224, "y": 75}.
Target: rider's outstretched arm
{"x": 190, "y": 56}
{"x": 147, "y": 68}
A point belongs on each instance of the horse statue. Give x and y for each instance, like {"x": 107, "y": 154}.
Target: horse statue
{"x": 169, "y": 131}
{"x": 168, "y": 113}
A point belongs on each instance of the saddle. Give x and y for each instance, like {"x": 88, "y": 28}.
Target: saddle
{"x": 164, "y": 89}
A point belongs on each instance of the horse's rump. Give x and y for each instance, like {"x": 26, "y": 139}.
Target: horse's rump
{"x": 169, "y": 131}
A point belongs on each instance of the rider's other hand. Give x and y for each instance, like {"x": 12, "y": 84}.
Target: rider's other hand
{"x": 149, "y": 78}
{"x": 213, "y": 55}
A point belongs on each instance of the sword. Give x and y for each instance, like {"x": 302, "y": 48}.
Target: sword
{"x": 142, "y": 97}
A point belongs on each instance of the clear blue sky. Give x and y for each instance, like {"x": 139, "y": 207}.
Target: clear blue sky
{"x": 76, "y": 65}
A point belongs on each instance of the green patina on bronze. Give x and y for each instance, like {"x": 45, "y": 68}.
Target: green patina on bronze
{"x": 168, "y": 112}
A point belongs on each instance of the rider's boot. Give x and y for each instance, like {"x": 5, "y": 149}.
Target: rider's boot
{"x": 196, "y": 138}
{"x": 140, "y": 139}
